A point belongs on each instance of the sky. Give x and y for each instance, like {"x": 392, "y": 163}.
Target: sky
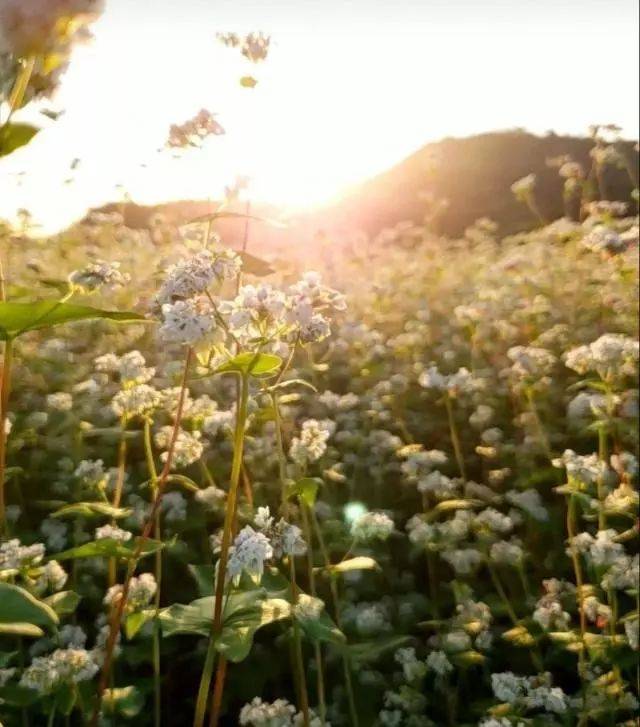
{"x": 350, "y": 88}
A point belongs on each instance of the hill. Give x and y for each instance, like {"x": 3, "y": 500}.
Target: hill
{"x": 474, "y": 174}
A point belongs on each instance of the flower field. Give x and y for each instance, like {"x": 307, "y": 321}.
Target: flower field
{"x": 399, "y": 490}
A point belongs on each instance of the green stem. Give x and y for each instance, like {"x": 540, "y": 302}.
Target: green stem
{"x": 455, "y": 439}
{"x": 346, "y": 662}
{"x": 299, "y": 657}
{"x": 118, "y": 613}
{"x": 157, "y": 534}
{"x": 216, "y": 625}
{"x": 5, "y": 389}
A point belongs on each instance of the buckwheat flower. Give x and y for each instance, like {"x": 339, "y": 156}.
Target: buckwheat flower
{"x": 463, "y": 560}
{"x": 631, "y": 630}
{"x": 263, "y": 519}
{"x": 604, "y": 551}
{"x": 264, "y": 714}
{"x": 217, "y": 422}
{"x": 507, "y": 687}
{"x": 248, "y": 554}
{"x": 456, "y": 641}
{"x": 596, "y": 612}
{"x": 64, "y": 666}
{"x": 523, "y": 188}
{"x": 623, "y": 575}
{"x": 419, "y": 463}
{"x": 187, "y": 322}
{"x": 96, "y": 275}
{"x": 199, "y": 409}
{"x": 586, "y": 469}
{"x": 412, "y": 667}
{"x": 133, "y": 370}
{"x": 499, "y": 722}
{"x": 372, "y": 526}
{"x": 73, "y": 637}
{"x": 187, "y": 448}
{"x": 15, "y": 556}
{"x": 441, "y": 486}
{"x": 55, "y": 533}
{"x": 135, "y": 401}
{"x": 316, "y": 329}
{"x": 60, "y": 401}
{"x": 256, "y": 310}
{"x": 312, "y": 442}
{"x": 507, "y": 553}
{"x": 482, "y": 415}
{"x": 91, "y": 474}
{"x": 438, "y": 662}
{"x": 420, "y": 532}
{"x": 174, "y": 507}
{"x": 612, "y": 355}
{"x": 371, "y": 618}
{"x": 551, "y": 699}
{"x": 603, "y": 239}
{"x": 211, "y": 497}
{"x": 194, "y": 131}
{"x": 549, "y": 612}
{"x": 52, "y": 578}
{"x": 142, "y": 589}
{"x": 308, "y": 608}
{"x": 455, "y": 384}
{"x": 197, "y": 274}
{"x": 286, "y": 539}
{"x": 113, "y": 532}
{"x": 391, "y": 718}
{"x": 530, "y": 362}
{"x": 493, "y": 520}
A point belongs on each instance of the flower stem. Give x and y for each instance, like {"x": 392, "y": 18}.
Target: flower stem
{"x": 216, "y": 624}
{"x": 5, "y": 389}
{"x": 157, "y": 534}
{"x": 297, "y": 641}
{"x": 116, "y": 618}
{"x": 455, "y": 439}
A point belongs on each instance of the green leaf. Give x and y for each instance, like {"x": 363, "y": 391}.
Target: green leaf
{"x": 360, "y": 562}
{"x": 468, "y": 658}
{"x": 109, "y": 548}
{"x": 92, "y": 509}
{"x": 320, "y": 628}
{"x": 135, "y": 621}
{"x": 255, "y": 265}
{"x": 236, "y": 639}
{"x": 369, "y": 651}
{"x": 519, "y": 636}
{"x": 256, "y": 364}
{"x": 66, "y": 697}
{"x": 63, "y": 603}
{"x": 21, "y": 629}
{"x": 292, "y": 382}
{"x": 18, "y": 606}
{"x": 449, "y": 505}
{"x": 18, "y": 318}
{"x": 124, "y": 701}
{"x": 306, "y": 489}
{"x": 204, "y": 577}
{"x": 18, "y": 696}
{"x": 15, "y": 135}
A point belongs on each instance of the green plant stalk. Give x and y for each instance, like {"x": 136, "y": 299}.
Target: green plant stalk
{"x": 216, "y": 625}
{"x": 298, "y": 664}
{"x": 297, "y": 641}
{"x": 116, "y": 618}
{"x": 577, "y": 568}
{"x": 5, "y": 390}
{"x": 455, "y": 439}
{"x": 542, "y": 434}
{"x": 322, "y": 704}
{"x": 117, "y": 494}
{"x": 346, "y": 665}
{"x": 157, "y": 534}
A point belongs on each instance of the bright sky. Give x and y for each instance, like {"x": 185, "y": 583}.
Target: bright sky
{"x": 350, "y": 88}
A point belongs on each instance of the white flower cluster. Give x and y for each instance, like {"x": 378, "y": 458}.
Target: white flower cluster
{"x": 197, "y": 274}
{"x": 130, "y": 367}
{"x": 113, "y": 532}
{"x": 142, "y": 589}
{"x": 187, "y": 448}
{"x": 312, "y": 442}
{"x": 530, "y": 362}
{"x": 96, "y": 275}
{"x": 285, "y": 538}
{"x": 14, "y": 556}
{"x": 460, "y": 382}
{"x": 248, "y": 554}
{"x": 372, "y": 526}
{"x": 64, "y": 666}
{"x": 610, "y": 356}
{"x": 279, "y": 713}
{"x": 529, "y": 692}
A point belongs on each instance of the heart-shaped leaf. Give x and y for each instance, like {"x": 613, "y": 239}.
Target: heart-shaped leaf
{"x": 18, "y": 318}
{"x": 18, "y": 606}
{"x": 109, "y": 548}
{"x": 255, "y": 364}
